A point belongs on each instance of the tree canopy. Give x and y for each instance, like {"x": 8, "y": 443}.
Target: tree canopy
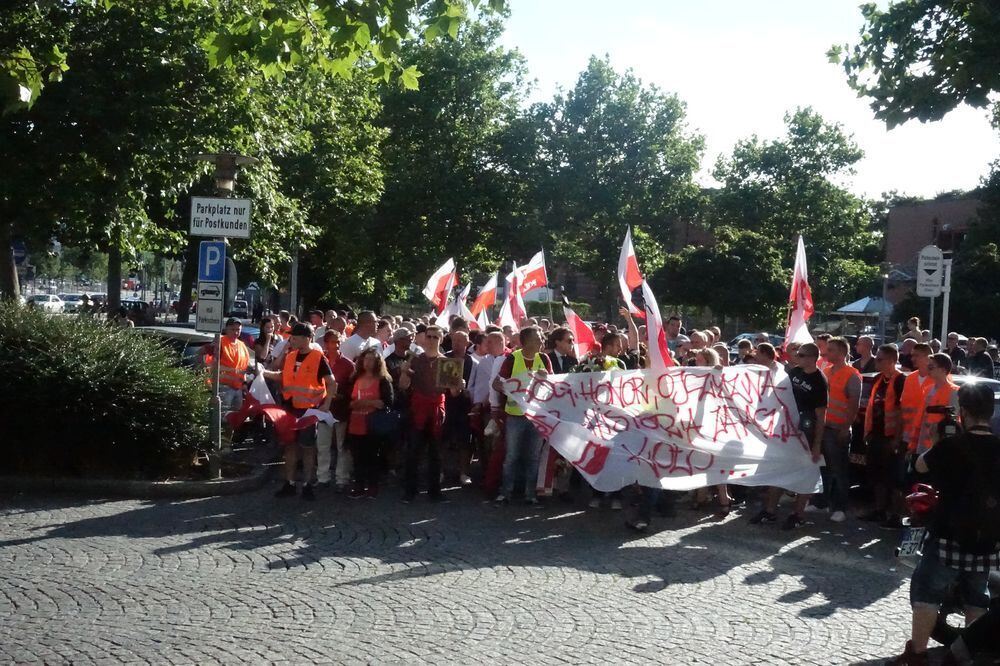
{"x": 919, "y": 59}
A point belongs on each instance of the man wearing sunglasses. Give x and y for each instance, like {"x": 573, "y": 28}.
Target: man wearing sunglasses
{"x": 886, "y": 458}
{"x": 809, "y": 388}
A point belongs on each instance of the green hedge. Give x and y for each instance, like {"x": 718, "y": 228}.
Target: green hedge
{"x": 84, "y": 398}
{"x": 539, "y": 309}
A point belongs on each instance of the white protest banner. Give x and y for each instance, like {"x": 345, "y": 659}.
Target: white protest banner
{"x": 678, "y": 429}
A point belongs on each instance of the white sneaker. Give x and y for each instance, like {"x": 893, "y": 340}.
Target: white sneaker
{"x": 465, "y": 480}
{"x": 812, "y": 508}
{"x": 838, "y": 516}
{"x": 595, "y": 503}
{"x": 616, "y": 505}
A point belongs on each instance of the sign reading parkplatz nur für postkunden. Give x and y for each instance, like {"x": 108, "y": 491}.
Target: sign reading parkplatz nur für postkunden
{"x": 219, "y": 217}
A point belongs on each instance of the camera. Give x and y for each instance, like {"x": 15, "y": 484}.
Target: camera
{"x": 947, "y": 426}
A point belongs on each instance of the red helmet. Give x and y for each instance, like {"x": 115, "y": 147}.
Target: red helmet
{"x": 922, "y": 500}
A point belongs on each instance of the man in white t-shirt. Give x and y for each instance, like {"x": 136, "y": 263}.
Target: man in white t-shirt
{"x": 363, "y": 337}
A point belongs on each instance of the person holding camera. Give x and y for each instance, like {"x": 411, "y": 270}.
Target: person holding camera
{"x": 941, "y": 398}
{"x": 963, "y": 543}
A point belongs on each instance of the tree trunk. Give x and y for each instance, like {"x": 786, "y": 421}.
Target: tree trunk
{"x": 9, "y": 287}
{"x": 187, "y": 281}
{"x": 114, "y": 275}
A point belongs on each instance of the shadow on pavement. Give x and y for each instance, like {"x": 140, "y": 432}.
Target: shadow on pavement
{"x": 467, "y": 534}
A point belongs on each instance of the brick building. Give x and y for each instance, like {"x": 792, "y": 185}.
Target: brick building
{"x": 913, "y": 226}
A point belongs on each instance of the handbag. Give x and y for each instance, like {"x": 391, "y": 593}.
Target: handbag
{"x": 383, "y": 422}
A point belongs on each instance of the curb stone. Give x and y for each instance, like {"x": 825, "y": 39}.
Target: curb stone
{"x": 135, "y": 488}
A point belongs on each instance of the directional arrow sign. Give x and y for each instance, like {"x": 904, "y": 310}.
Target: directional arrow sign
{"x": 930, "y": 272}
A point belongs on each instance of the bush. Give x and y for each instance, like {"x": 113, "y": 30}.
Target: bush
{"x": 84, "y": 398}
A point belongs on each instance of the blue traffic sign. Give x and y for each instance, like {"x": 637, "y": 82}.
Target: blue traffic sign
{"x": 212, "y": 261}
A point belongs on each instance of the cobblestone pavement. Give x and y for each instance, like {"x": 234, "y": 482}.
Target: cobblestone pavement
{"x": 254, "y": 579}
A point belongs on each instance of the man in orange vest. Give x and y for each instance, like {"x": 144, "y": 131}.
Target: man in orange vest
{"x": 841, "y": 409}
{"x": 306, "y": 383}
{"x": 942, "y": 394}
{"x": 886, "y": 459}
{"x": 822, "y": 340}
{"x": 915, "y": 390}
{"x": 232, "y": 365}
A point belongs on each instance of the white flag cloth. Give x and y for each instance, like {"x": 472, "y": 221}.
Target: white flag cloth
{"x": 800, "y": 301}
{"x": 678, "y": 429}
{"x": 482, "y": 320}
{"x": 656, "y": 337}
{"x": 260, "y": 392}
{"x": 629, "y": 277}
{"x": 440, "y": 284}
{"x": 321, "y": 416}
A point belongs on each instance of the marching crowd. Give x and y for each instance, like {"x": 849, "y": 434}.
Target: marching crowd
{"x": 406, "y": 393}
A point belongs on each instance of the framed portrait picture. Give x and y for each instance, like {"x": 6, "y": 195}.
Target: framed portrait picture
{"x": 449, "y": 372}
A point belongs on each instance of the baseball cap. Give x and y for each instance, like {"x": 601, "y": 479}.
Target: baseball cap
{"x": 401, "y": 333}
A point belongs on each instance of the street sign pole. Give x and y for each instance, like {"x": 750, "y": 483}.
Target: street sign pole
{"x": 945, "y": 304}
{"x": 930, "y": 327}
{"x": 211, "y": 281}
{"x": 219, "y": 218}
{"x": 933, "y": 270}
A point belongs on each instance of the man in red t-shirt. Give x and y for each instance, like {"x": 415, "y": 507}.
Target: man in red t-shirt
{"x": 418, "y": 379}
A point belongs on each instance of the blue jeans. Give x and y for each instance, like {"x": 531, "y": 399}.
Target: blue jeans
{"x": 836, "y": 473}
{"x": 524, "y": 447}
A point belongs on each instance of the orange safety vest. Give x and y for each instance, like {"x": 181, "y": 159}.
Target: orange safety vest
{"x": 233, "y": 362}
{"x": 302, "y": 386}
{"x": 890, "y": 407}
{"x": 912, "y": 402}
{"x": 837, "y": 406}
{"x": 940, "y": 398}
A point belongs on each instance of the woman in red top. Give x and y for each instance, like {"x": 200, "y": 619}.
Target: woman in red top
{"x": 370, "y": 389}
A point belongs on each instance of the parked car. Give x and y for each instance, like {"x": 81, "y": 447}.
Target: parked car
{"x": 240, "y": 310}
{"x": 46, "y": 302}
{"x": 71, "y": 302}
{"x": 140, "y": 312}
{"x": 186, "y": 342}
{"x": 859, "y": 448}
{"x": 776, "y": 340}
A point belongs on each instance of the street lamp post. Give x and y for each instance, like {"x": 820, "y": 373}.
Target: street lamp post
{"x": 227, "y": 165}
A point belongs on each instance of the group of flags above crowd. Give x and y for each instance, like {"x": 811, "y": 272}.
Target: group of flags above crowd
{"x": 636, "y": 294}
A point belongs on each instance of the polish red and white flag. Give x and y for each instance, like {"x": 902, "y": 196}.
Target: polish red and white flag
{"x": 656, "y": 336}
{"x": 800, "y": 301}
{"x": 513, "y": 310}
{"x": 457, "y": 307}
{"x": 440, "y": 284}
{"x": 629, "y": 277}
{"x": 533, "y": 275}
{"x": 487, "y": 296}
{"x": 584, "y": 335}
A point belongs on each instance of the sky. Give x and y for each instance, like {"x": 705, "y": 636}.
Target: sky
{"x": 740, "y": 65}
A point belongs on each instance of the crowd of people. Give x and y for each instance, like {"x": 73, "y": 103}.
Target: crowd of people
{"x": 407, "y": 393}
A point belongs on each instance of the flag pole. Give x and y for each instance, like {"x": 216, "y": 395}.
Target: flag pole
{"x": 548, "y": 289}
